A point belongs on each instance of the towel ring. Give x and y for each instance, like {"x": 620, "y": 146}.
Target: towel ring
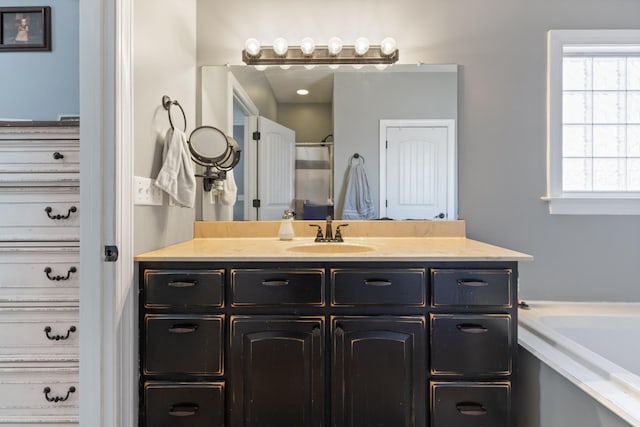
{"x": 356, "y": 156}
{"x": 167, "y": 103}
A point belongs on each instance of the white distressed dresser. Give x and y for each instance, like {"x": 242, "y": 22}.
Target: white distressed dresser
{"x": 39, "y": 273}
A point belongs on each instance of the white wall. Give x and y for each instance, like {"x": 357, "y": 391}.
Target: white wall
{"x": 164, "y": 64}
{"x": 501, "y": 48}
{"x": 312, "y": 122}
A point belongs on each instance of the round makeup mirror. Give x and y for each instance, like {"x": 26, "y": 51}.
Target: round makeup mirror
{"x": 210, "y": 147}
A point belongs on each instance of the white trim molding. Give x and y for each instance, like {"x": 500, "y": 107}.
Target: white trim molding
{"x": 583, "y": 203}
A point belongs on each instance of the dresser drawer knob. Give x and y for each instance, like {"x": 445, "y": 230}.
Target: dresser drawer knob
{"x": 182, "y": 284}
{"x": 48, "y": 271}
{"x": 48, "y": 210}
{"x": 47, "y": 331}
{"x": 56, "y": 399}
{"x": 471, "y": 328}
{"x": 58, "y": 156}
{"x": 183, "y": 328}
{"x": 183, "y": 410}
{"x": 471, "y": 408}
{"x": 378, "y": 282}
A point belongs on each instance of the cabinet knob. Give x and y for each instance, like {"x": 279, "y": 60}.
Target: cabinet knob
{"x": 183, "y": 410}
{"x": 183, "y": 328}
{"x": 58, "y": 156}
{"x": 471, "y": 328}
{"x": 471, "y": 408}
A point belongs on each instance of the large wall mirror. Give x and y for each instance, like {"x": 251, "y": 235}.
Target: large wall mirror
{"x": 396, "y": 127}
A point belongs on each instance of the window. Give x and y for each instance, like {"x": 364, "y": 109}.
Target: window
{"x": 593, "y": 127}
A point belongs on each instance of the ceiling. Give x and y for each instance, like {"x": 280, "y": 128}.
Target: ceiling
{"x": 284, "y": 83}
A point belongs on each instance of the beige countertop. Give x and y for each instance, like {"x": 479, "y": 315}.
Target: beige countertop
{"x": 353, "y": 249}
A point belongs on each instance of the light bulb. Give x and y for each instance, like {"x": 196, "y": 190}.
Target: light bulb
{"x": 307, "y": 46}
{"x": 309, "y": 66}
{"x": 252, "y": 47}
{"x": 334, "y": 66}
{"x": 334, "y": 46}
{"x": 388, "y": 46}
{"x": 381, "y": 66}
{"x": 285, "y": 66}
{"x": 261, "y": 67}
{"x": 357, "y": 66}
{"x": 280, "y": 46}
{"x": 361, "y": 45}
{"x": 302, "y": 92}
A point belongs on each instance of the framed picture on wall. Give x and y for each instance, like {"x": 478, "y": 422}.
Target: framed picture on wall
{"x": 25, "y": 28}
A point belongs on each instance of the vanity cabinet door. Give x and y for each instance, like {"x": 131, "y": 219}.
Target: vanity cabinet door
{"x": 277, "y": 366}
{"x": 470, "y": 404}
{"x": 378, "y": 371}
{"x": 183, "y": 404}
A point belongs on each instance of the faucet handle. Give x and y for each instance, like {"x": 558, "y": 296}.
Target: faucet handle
{"x": 319, "y": 237}
{"x": 338, "y": 237}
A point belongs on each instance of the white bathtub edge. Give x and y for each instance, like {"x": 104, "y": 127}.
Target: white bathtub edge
{"x": 602, "y": 388}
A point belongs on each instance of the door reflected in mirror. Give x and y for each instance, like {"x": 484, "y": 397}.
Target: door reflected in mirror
{"x": 342, "y": 114}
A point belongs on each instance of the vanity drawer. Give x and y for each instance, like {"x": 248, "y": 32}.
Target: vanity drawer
{"x": 184, "y": 288}
{"x": 470, "y": 404}
{"x": 382, "y": 286}
{"x": 39, "y": 275}
{"x": 267, "y": 287}
{"x": 471, "y": 287}
{"x": 187, "y": 345}
{"x": 183, "y": 404}
{"x": 35, "y": 334}
{"x": 471, "y": 344}
{"x": 29, "y": 396}
{"x": 48, "y": 214}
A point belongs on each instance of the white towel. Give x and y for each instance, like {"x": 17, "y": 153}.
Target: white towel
{"x": 176, "y": 176}
{"x": 357, "y": 201}
{"x": 223, "y": 200}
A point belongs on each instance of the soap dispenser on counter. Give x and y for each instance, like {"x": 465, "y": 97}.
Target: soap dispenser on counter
{"x": 286, "y": 225}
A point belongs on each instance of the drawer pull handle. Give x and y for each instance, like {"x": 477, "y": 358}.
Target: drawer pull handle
{"x": 183, "y": 410}
{"x": 47, "y": 331}
{"x": 377, "y": 282}
{"x": 48, "y": 270}
{"x": 58, "y": 156}
{"x": 471, "y": 408}
{"x": 182, "y": 284}
{"x": 275, "y": 282}
{"x": 48, "y": 210}
{"x": 473, "y": 283}
{"x": 183, "y": 328}
{"x": 471, "y": 328}
{"x": 56, "y": 399}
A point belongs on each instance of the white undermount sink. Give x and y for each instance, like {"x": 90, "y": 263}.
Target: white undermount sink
{"x": 330, "y": 248}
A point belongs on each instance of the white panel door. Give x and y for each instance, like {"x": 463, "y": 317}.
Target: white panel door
{"x": 416, "y": 172}
{"x": 276, "y": 169}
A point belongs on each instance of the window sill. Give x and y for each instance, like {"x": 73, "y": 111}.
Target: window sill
{"x": 593, "y": 205}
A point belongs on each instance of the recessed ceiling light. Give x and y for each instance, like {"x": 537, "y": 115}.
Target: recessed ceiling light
{"x": 302, "y": 92}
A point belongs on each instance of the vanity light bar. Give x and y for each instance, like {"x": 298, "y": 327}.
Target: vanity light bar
{"x": 294, "y": 55}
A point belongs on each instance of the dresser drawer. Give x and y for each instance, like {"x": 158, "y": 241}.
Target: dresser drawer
{"x": 34, "y": 334}
{"x": 183, "y": 288}
{"x": 471, "y": 287}
{"x": 39, "y": 396}
{"x": 39, "y": 160}
{"x": 382, "y": 286}
{"x": 39, "y": 275}
{"x": 471, "y": 344}
{"x": 265, "y": 287}
{"x": 470, "y": 404}
{"x": 183, "y": 404}
{"x": 188, "y": 345}
{"x": 49, "y": 214}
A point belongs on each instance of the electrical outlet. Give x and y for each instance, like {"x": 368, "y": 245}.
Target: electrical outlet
{"x": 146, "y": 192}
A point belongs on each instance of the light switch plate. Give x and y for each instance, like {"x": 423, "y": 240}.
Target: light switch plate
{"x": 146, "y": 192}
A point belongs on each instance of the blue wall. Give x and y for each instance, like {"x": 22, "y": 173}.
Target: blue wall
{"x": 43, "y": 85}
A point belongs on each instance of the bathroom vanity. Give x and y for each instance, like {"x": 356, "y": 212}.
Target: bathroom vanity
{"x": 385, "y": 331}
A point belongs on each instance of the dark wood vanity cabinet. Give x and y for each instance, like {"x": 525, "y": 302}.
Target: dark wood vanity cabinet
{"x": 388, "y": 344}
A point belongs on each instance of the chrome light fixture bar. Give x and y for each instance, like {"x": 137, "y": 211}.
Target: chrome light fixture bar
{"x": 309, "y": 54}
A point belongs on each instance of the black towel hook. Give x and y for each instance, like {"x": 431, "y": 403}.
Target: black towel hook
{"x": 356, "y": 156}
{"x": 167, "y": 103}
